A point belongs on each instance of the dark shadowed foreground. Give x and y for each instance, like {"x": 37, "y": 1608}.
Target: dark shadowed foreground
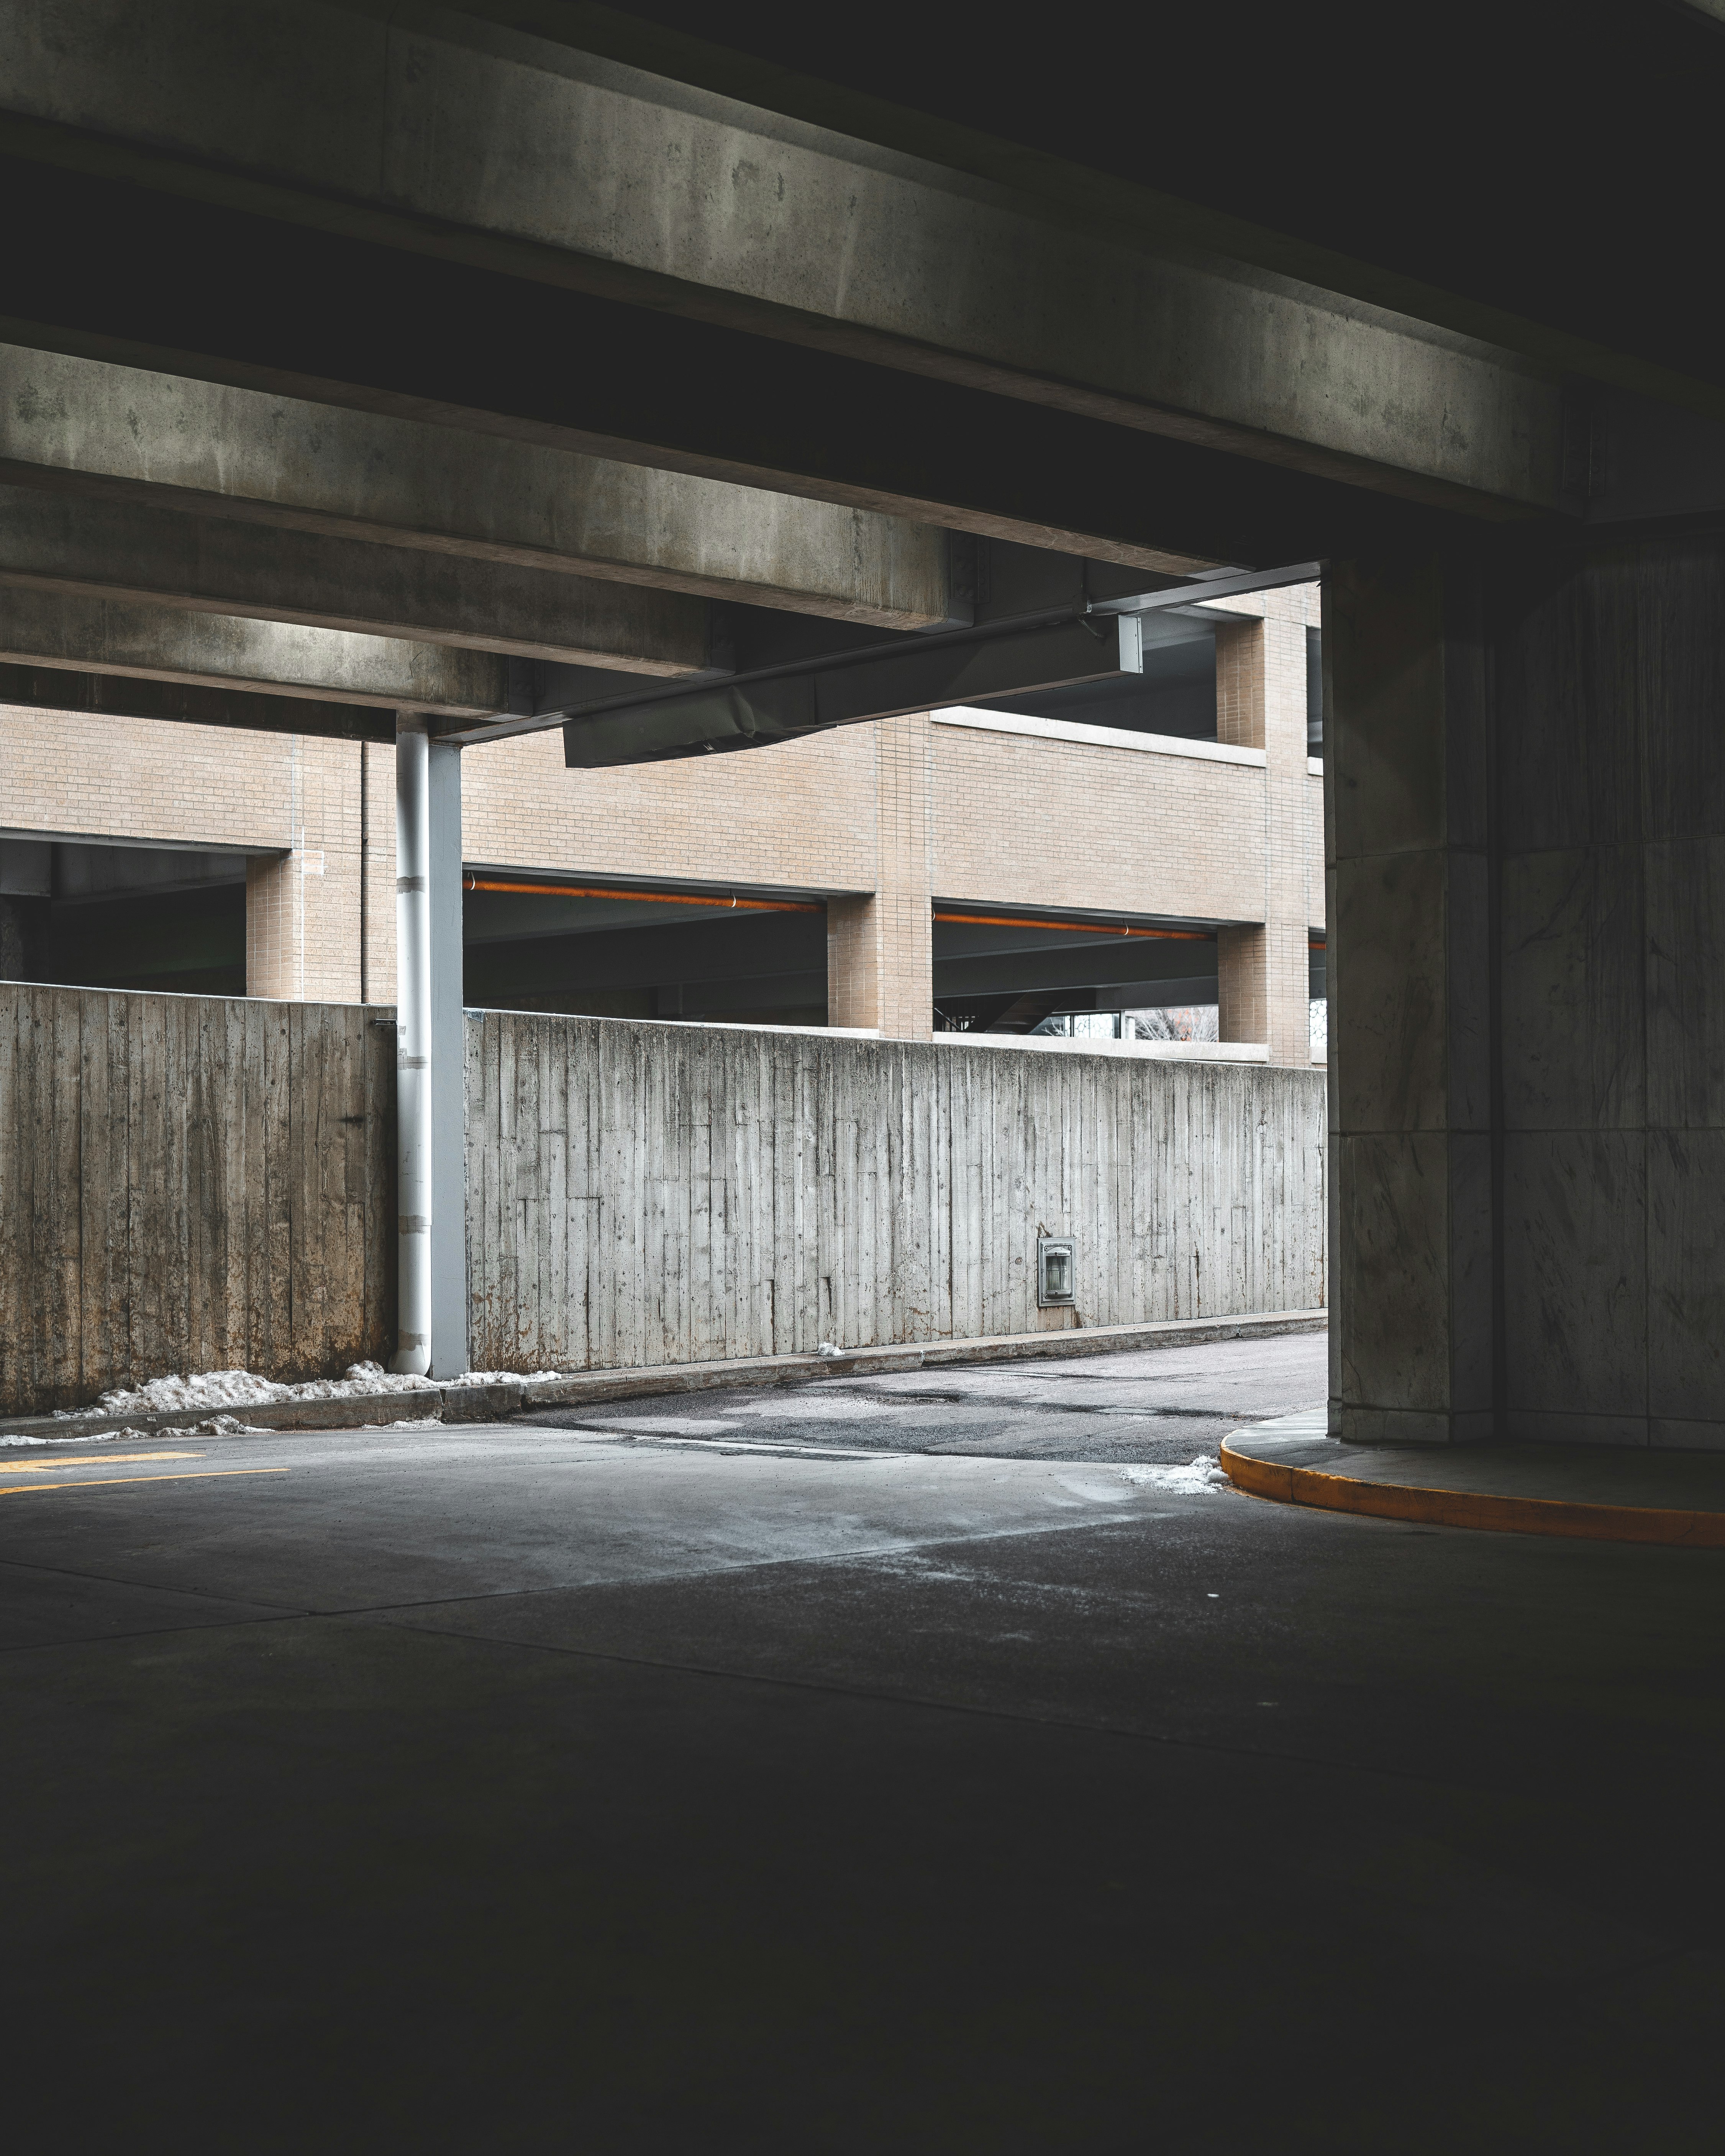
{"x": 521, "y": 1787}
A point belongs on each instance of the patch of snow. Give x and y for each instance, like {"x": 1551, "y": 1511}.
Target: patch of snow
{"x": 218, "y": 1426}
{"x": 233, "y": 1388}
{"x": 817, "y": 1404}
{"x": 499, "y": 1377}
{"x": 1206, "y": 1472}
{"x": 91, "y": 1437}
{"x": 660, "y": 1426}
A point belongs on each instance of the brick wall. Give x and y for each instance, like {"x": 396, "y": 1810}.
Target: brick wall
{"x": 799, "y": 815}
{"x": 892, "y": 813}
{"x": 1025, "y": 820}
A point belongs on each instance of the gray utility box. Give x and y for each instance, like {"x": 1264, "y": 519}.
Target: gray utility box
{"x": 1056, "y": 1272}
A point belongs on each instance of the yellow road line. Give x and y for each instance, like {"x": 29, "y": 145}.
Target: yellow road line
{"x": 103, "y": 1459}
{"x": 129, "y": 1482}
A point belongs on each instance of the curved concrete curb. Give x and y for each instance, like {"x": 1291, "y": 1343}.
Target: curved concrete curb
{"x": 1472, "y": 1508}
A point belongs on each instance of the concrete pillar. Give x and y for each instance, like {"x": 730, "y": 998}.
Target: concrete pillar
{"x": 302, "y": 908}
{"x": 1525, "y": 804}
{"x": 431, "y": 1055}
{"x": 1264, "y": 967}
{"x": 1608, "y": 668}
{"x": 1413, "y": 1331}
{"x": 880, "y": 949}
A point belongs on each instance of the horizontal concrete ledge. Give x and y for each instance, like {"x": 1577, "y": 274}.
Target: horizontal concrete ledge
{"x": 1503, "y": 1489}
{"x": 1068, "y": 730}
{"x": 1146, "y": 1051}
{"x": 1151, "y": 1051}
{"x": 584, "y": 1388}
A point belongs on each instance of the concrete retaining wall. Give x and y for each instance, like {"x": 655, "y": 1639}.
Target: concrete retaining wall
{"x": 642, "y": 1194}
{"x": 193, "y": 1182}
{"x": 189, "y": 1183}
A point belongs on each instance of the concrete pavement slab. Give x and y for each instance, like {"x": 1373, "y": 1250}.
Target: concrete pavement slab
{"x": 723, "y": 1789}
{"x": 1157, "y": 1406}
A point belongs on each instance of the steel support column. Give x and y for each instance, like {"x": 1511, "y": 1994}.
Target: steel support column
{"x": 430, "y": 1058}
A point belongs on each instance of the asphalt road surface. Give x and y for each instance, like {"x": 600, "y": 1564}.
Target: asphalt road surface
{"x": 518, "y": 1787}
{"x": 1161, "y": 1405}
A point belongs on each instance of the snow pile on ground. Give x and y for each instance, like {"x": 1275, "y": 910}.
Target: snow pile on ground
{"x": 91, "y": 1437}
{"x": 500, "y": 1376}
{"x": 218, "y": 1426}
{"x": 1206, "y": 1472}
{"x": 811, "y": 1405}
{"x": 245, "y": 1389}
{"x": 242, "y": 1388}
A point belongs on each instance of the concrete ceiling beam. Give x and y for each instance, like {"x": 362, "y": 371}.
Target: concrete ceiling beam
{"x": 124, "y": 550}
{"x": 69, "y": 630}
{"x": 130, "y": 696}
{"x": 440, "y": 133}
{"x": 254, "y": 457}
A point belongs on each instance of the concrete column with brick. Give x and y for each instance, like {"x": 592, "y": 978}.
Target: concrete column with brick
{"x": 880, "y": 949}
{"x": 1263, "y": 967}
{"x": 302, "y": 908}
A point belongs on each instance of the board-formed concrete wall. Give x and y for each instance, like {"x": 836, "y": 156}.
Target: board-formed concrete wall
{"x": 641, "y": 1194}
{"x": 199, "y": 1183}
{"x": 189, "y": 1183}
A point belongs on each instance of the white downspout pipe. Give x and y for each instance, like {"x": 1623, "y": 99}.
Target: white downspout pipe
{"x": 412, "y": 1047}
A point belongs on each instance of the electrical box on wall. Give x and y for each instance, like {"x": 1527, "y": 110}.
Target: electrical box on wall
{"x": 1056, "y": 1272}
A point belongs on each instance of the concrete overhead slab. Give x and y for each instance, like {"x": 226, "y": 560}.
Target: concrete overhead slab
{"x": 132, "y": 553}
{"x": 62, "y": 629}
{"x": 453, "y": 136}
{"x": 244, "y": 454}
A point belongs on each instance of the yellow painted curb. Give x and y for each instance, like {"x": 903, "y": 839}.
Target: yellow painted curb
{"x": 1473, "y": 1508}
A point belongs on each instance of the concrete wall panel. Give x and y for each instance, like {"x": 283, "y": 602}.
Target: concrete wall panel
{"x": 642, "y": 1194}
{"x": 189, "y": 1183}
{"x": 1685, "y": 1009}
{"x": 1686, "y": 1277}
{"x": 1572, "y": 945}
{"x": 1575, "y": 1287}
{"x": 1610, "y": 684}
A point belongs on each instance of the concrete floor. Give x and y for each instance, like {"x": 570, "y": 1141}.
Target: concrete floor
{"x": 1165, "y": 1405}
{"x": 521, "y": 1787}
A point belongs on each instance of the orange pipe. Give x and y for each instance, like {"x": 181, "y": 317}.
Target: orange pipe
{"x": 803, "y": 906}
{"x": 1075, "y": 927}
{"x": 641, "y": 897}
